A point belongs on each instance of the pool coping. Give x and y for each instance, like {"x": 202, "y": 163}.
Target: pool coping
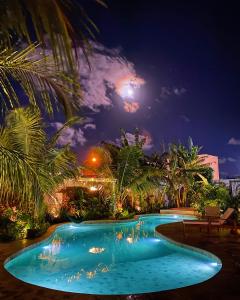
{"x": 14, "y": 248}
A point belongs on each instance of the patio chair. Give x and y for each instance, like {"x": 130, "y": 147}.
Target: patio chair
{"x": 212, "y": 211}
{"x": 211, "y": 222}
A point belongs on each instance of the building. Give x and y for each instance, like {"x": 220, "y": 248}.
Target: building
{"x": 212, "y": 162}
{"x": 233, "y": 185}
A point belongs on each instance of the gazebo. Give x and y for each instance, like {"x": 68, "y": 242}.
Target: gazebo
{"x": 93, "y": 184}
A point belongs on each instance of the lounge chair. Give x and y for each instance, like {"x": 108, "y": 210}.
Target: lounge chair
{"x": 211, "y": 222}
{"x": 212, "y": 211}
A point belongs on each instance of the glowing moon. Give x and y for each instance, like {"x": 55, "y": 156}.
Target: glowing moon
{"x": 126, "y": 91}
{"x": 126, "y": 86}
{"x": 130, "y": 92}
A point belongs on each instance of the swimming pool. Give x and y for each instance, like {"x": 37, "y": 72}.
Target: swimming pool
{"x": 113, "y": 259}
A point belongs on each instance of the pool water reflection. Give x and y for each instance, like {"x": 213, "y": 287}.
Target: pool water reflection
{"x": 113, "y": 258}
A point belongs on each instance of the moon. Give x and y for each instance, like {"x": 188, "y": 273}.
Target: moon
{"x": 130, "y": 92}
{"x": 127, "y": 91}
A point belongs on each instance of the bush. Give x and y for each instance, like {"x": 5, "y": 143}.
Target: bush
{"x": 37, "y": 230}
{"x": 85, "y": 206}
{"x": 124, "y": 214}
{"x": 210, "y": 195}
{"x": 15, "y": 224}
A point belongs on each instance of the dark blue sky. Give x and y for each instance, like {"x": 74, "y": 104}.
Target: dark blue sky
{"x": 193, "y": 45}
{"x": 188, "y": 53}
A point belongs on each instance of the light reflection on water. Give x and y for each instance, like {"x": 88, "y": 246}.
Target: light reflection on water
{"x": 112, "y": 259}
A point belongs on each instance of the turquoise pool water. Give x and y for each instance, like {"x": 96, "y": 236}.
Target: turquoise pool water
{"x": 115, "y": 258}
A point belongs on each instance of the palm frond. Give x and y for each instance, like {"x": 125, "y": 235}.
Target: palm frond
{"x": 25, "y": 125}
{"x": 40, "y": 82}
{"x": 29, "y": 167}
{"x": 53, "y": 140}
{"x": 16, "y": 168}
{"x": 65, "y": 24}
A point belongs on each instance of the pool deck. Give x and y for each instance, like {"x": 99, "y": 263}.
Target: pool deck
{"x": 225, "y": 285}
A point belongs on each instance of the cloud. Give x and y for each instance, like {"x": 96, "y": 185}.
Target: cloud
{"x": 109, "y": 70}
{"x": 166, "y": 92}
{"x": 90, "y": 126}
{"x": 131, "y": 107}
{"x": 72, "y": 136}
{"x": 231, "y": 159}
{"x": 185, "y": 118}
{"x": 149, "y": 142}
{"x": 108, "y": 73}
{"x": 87, "y": 120}
{"x": 144, "y": 135}
{"x": 224, "y": 160}
{"x": 234, "y": 141}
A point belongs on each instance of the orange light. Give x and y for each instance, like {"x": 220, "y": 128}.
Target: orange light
{"x": 94, "y": 159}
{"x": 119, "y": 235}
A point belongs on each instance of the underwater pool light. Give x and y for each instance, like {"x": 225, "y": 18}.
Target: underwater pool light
{"x": 46, "y": 247}
{"x": 214, "y": 264}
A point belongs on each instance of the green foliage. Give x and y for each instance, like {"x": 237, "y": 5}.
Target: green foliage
{"x": 50, "y": 81}
{"x": 151, "y": 206}
{"x": 128, "y": 165}
{"x": 30, "y": 164}
{"x": 177, "y": 172}
{"x": 124, "y": 215}
{"x": 85, "y": 206}
{"x": 46, "y": 81}
{"x": 16, "y": 224}
{"x": 51, "y": 23}
{"x": 44, "y": 85}
{"x": 234, "y": 202}
{"x": 135, "y": 177}
{"x": 211, "y": 195}
{"x": 183, "y": 170}
{"x": 208, "y": 174}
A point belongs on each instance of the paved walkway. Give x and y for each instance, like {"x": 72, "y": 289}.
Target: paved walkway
{"x": 225, "y": 285}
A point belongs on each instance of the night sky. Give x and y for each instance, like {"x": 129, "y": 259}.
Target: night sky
{"x": 191, "y": 46}
{"x": 188, "y": 54}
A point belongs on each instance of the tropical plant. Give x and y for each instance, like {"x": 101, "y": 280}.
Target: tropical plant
{"x": 211, "y": 195}
{"x": 31, "y": 165}
{"x": 43, "y": 85}
{"x": 84, "y": 205}
{"x": 143, "y": 181}
{"x": 17, "y": 224}
{"x": 183, "y": 170}
{"x": 134, "y": 177}
{"x": 59, "y": 27}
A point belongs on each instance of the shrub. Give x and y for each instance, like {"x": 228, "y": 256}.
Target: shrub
{"x": 124, "y": 214}
{"x": 210, "y": 195}
{"x": 85, "y": 206}
{"x": 37, "y": 230}
{"x": 15, "y": 224}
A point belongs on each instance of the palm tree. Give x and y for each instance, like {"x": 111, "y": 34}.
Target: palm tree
{"x": 183, "y": 168}
{"x": 58, "y": 25}
{"x": 134, "y": 177}
{"x": 31, "y": 165}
